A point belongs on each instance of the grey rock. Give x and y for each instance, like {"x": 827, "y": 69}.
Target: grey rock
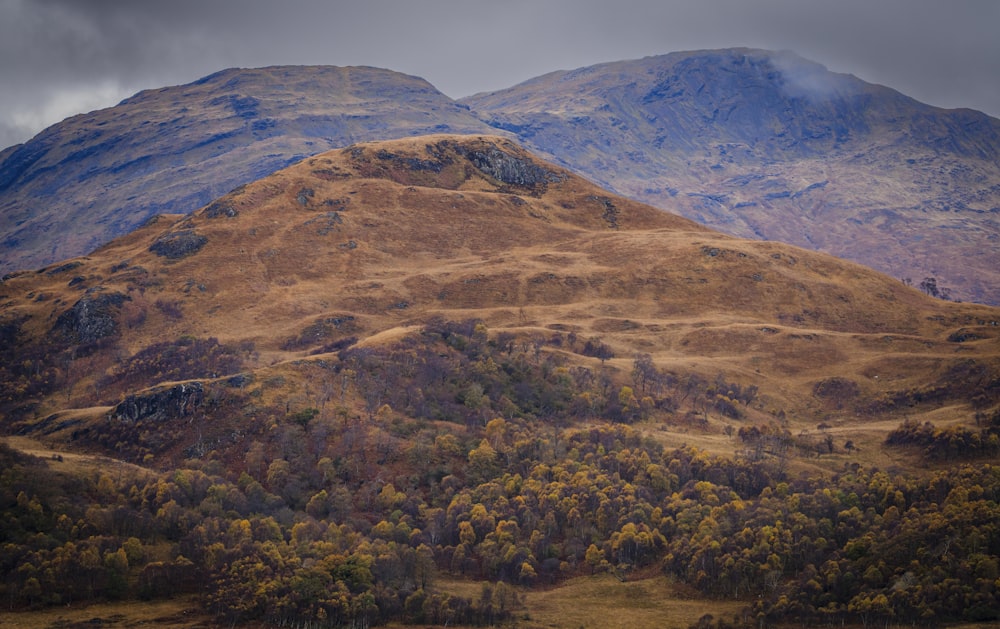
{"x": 179, "y": 244}
{"x": 91, "y": 318}
{"x": 510, "y": 169}
{"x": 161, "y": 403}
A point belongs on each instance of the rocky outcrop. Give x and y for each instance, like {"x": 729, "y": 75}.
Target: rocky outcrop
{"x": 508, "y": 168}
{"x": 160, "y": 403}
{"x": 92, "y": 318}
{"x": 180, "y": 244}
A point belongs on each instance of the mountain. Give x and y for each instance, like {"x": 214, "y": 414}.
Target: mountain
{"x": 95, "y": 176}
{"x": 763, "y": 144}
{"x": 414, "y": 380}
{"x": 755, "y": 143}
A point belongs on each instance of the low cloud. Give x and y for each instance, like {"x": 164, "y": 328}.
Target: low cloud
{"x": 807, "y": 79}
{"x": 61, "y": 103}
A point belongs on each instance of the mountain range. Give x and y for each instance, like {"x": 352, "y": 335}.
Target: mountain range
{"x": 769, "y": 145}
{"x": 759, "y": 144}
{"x": 323, "y": 347}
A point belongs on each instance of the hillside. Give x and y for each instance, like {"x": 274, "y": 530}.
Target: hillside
{"x": 99, "y": 175}
{"x": 754, "y": 143}
{"x": 389, "y": 235}
{"x": 768, "y": 145}
{"x": 417, "y": 380}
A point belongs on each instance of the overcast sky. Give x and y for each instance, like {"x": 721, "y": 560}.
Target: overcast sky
{"x": 63, "y": 57}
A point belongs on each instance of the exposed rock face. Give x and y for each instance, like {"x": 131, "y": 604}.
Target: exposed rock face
{"x": 510, "y": 169}
{"x": 161, "y": 403}
{"x": 91, "y": 318}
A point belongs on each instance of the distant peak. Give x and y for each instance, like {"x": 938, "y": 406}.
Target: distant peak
{"x": 291, "y": 78}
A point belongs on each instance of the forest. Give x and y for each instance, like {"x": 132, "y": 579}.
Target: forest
{"x": 457, "y": 453}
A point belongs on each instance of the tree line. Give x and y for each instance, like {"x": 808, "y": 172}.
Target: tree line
{"x": 457, "y": 453}
{"x": 865, "y": 546}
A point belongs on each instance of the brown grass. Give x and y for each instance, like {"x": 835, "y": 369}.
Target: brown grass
{"x": 602, "y": 601}
{"x": 179, "y": 613}
{"x": 530, "y": 262}
{"x": 61, "y": 459}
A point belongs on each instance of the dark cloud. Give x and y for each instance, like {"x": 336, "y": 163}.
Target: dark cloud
{"x": 61, "y": 57}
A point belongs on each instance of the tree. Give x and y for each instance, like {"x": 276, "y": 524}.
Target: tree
{"x": 527, "y": 574}
{"x": 483, "y": 462}
{"x": 319, "y": 505}
{"x": 596, "y": 349}
{"x": 32, "y": 590}
{"x": 466, "y": 534}
{"x": 929, "y": 286}
{"x": 116, "y": 569}
{"x": 594, "y": 558}
{"x": 628, "y": 403}
{"x": 256, "y": 460}
{"x": 644, "y": 372}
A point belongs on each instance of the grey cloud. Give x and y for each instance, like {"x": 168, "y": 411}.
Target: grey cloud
{"x": 943, "y": 53}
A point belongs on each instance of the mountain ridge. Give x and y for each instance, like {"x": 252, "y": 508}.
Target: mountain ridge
{"x": 174, "y": 149}
{"x": 864, "y": 172}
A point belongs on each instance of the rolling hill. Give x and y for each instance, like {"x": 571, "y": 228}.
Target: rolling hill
{"x": 367, "y": 244}
{"x": 415, "y": 380}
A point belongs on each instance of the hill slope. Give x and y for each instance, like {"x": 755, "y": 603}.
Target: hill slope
{"x": 362, "y": 244}
{"x": 95, "y": 176}
{"x": 768, "y": 145}
{"x": 755, "y": 143}
{"x": 408, "y": 381}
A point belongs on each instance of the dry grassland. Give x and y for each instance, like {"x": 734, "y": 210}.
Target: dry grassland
{"x": 392, "y": 234}
{"x": 178, "y": 613}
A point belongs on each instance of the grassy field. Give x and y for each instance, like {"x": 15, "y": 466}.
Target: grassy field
{"x": 597, "y": 601}
{"x": 604, "y": 601}
{"x": 177, "y": 613}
